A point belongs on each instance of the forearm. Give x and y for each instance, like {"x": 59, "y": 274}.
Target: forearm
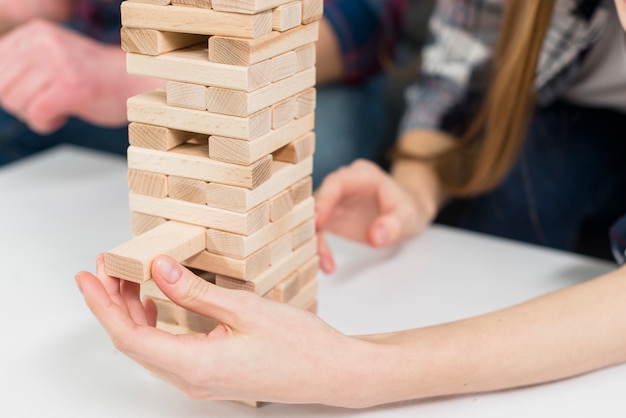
{"x": 330, "y": 65}
{"x": 555, "y": 336}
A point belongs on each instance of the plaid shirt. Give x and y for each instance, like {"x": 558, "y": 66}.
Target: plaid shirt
{"x": 99, "y": 19}
{"x": 464, "y": 33}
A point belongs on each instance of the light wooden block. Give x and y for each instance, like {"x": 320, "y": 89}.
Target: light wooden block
{"x": 195, "y": 20}
{"x": 306, "y": 102}
{"x": 178, "y": 163}
{"x": 287, "y": 16}
{"x": 194, "y": 322}
{"x": 306, "y": 56}
{"x": 279, "y": 249}
{"x": 283, "y": 112}
{"x": 243, "y": 269}
{"x": 202, "y": 215}
{"x": 150, "y": 290}
{"x": 189, "y": 190}
{"x": 166, "y": 311}
{"x": 239, "y": 199}
{"x": 141, "y": 223}
{"x": 239, "y": 103}
{"x": 237, "y": 51}
{"x": 247, "y": 6}
{"x": 262, "y": 283}
{"x": 306, "y": 296}
{"x": 155, "y": 42}
{"x": 157, "y": 137}
{"x": 157, "y": 2}
{"x": 151, "y": 108}
{"x": 302, "y": 190}
{"x": 145, "y": 182}
{"x": 312, "y": 10}
{"x": 297, "y": 150}
{"x": 308, "y": 271}
{"x": 302, "y": 234}
{"x": 191, "y": 96}
{"x": 237, "y": 245}
{"x": 238, "y": 151}
{"x": 280, "y": 205}
{"x": 205, "y": 4}
{"x": 132, "y": 260}
{"x": 191, "y": 65}
{"x": 284, "y": 290}
{"x": 284, "y": 65}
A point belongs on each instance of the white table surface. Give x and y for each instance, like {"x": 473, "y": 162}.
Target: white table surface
{"x": 61, "y": 208}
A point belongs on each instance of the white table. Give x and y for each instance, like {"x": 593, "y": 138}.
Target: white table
{"x": 63, "y": 207}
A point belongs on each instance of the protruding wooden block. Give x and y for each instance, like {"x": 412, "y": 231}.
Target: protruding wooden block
{"x": 287, "y": 16}
{"x": 247, "y": 6}
{"x": 141, "y": 223}
{"x": 132, "y": 260}
{"x": 298, "y": 150}
{"x": 237, "y": 51}
{"x": 189, "y": 190}
{"x": 243, "y": 269}
{"x": 195, "y": 20}
{"x": 155, "y": 42}
{"x": 157, "y": 137}
{"x": 312, "y": 10}
{"x": 144, "y": 182}
{"x": 305, "y": 102}
{"x": 191, "y": 96}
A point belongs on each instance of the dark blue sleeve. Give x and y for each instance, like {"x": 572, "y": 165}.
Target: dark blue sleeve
{"x": 618, "y": 239}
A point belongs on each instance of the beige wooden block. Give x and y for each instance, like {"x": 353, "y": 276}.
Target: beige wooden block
{"x": 247, "y": 6}
{"x": 239, "y": 199}
{"x": 145, "y": 182}
{"x": 141, "y": 223}
{"x": 194, "y": 322}
{"x": 296, "y": 151}
{"x": 302, "y": 190}
{"x": 283, "y": 112}
{"x": 166, "y": 311}
{"x": 284, "y": 290}
{"x": 236, "y": 245}
{"x": 151, "y": 108}
{"x": 312, "y": 10}
{"x": 262, "y": 283}
{"x": 308, "y": 271}
{"x": 306, "y": 56}
{"x": 132, "y": 260}
{"x": 238, "y": 151}
{"x": 240, "y": 103}
{"x": 243, "y": 269}
{"x": 195, "y": 20}
{"x": 237, "y": 51}
{"x": 150, "y": 290}
{"x": 202, "y": 215}
{"x": 287, "y": 16}
{"x": 279, "y": 249}
{"x": 191, "y": 65}
{"x": 199, "y": 168}
{"x": 155, "y": 42}
{"x": 157, "y": 2}
{"x": 306, "y": 296}
{"x": 284, "y": 65}
{"x": 157, "y": 137}
{"x": 205, "y": 4}
{"x": 191, "y": 96}
{"x": 173, "y": 328}
{"x": 302, "y": 234}
{"x": 189, "y": 190}
{"x": 305, "y": 102}
{"x": 280, "y": 205}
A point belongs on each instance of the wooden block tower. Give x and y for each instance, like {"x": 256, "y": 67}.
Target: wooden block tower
{"x": 220, "y": 160}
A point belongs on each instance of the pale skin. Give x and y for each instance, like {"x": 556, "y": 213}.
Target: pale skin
{"x": 255, "y": 355}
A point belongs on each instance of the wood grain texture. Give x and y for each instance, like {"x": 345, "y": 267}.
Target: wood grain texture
{"x": 243, "y": 269}
{"x": 155, "y": 42}
{"x": 157, "y": 137}
{"x": 247, "y": 6}
{"x": 287, "y": 16}
{"x": 297, "y": 150}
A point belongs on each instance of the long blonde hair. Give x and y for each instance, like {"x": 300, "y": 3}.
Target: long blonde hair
{"x": 484, "y": 155}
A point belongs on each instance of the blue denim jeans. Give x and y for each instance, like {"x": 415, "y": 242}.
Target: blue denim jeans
{"x": 567, "y": 187}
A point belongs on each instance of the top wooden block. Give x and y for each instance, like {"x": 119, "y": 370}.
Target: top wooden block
{"x": 247, "y": 6}
{"x": 195, "y": 20}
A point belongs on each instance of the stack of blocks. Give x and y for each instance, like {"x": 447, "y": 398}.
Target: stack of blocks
{"x": 220, "y": 160}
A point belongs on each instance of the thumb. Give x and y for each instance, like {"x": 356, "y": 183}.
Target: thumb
{"x": 191, "y": 292}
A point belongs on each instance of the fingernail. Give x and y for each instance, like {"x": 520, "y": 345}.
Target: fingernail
{"x": 168, "y": 269}
{"x": 381, "y": 236}
{"x": 78, "y": 283}
{"x": 326, "y": 263}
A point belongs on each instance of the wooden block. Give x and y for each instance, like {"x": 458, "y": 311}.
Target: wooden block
{"x": 284, "y": 65}
{"x": 199, "y": 168}
{"x": 306, "y": 56}
{"x": 283, "y": 112}
{"x": 287, "y": 16}
{"x": 262, "y": 283}
{"x": 302, "y": 234}
{"x": 191, "y": 96}
{"x": 237, "y": 51}
{"x": 284, "y": 290}
{"x": 145, "y": 182}
{"x": 150, "y": 290}
{"x": 243, "y": 269}
{"x": 236, "y": 245}
{"x": 132, "y": 260}
{"x": 157, "y": 137}
{"x": 279, "y": 249}
{"x": 247, "y": 6}
{"x": 239, "y": 199}
{"x": 203, "y": 215}
{"x": 195, "y": 20}
{"x": 305, "y": 103}
{"x": 308, "y": 271}
{"x": 194, "y": 322}
{"x": 280, "y": 205}
{"x": 240, "y": 103}
{"x": 238, "y": 151}
{"x": 157, "y": 2}
{"x": 151, "y": 108}
{"x": 141, "y": 223}
{"x": 302, "y": 190}
{"x": 205, "y": 4}
{"x": 306, "y": 296}
{"x": 155, "y": 42}
{"x": 166, "y": 311}
{"x": 312, "y": 10}
{"x": 189, "y": 190}
{"x": 191, "y": 65}
{"x": 296, "y": 151}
